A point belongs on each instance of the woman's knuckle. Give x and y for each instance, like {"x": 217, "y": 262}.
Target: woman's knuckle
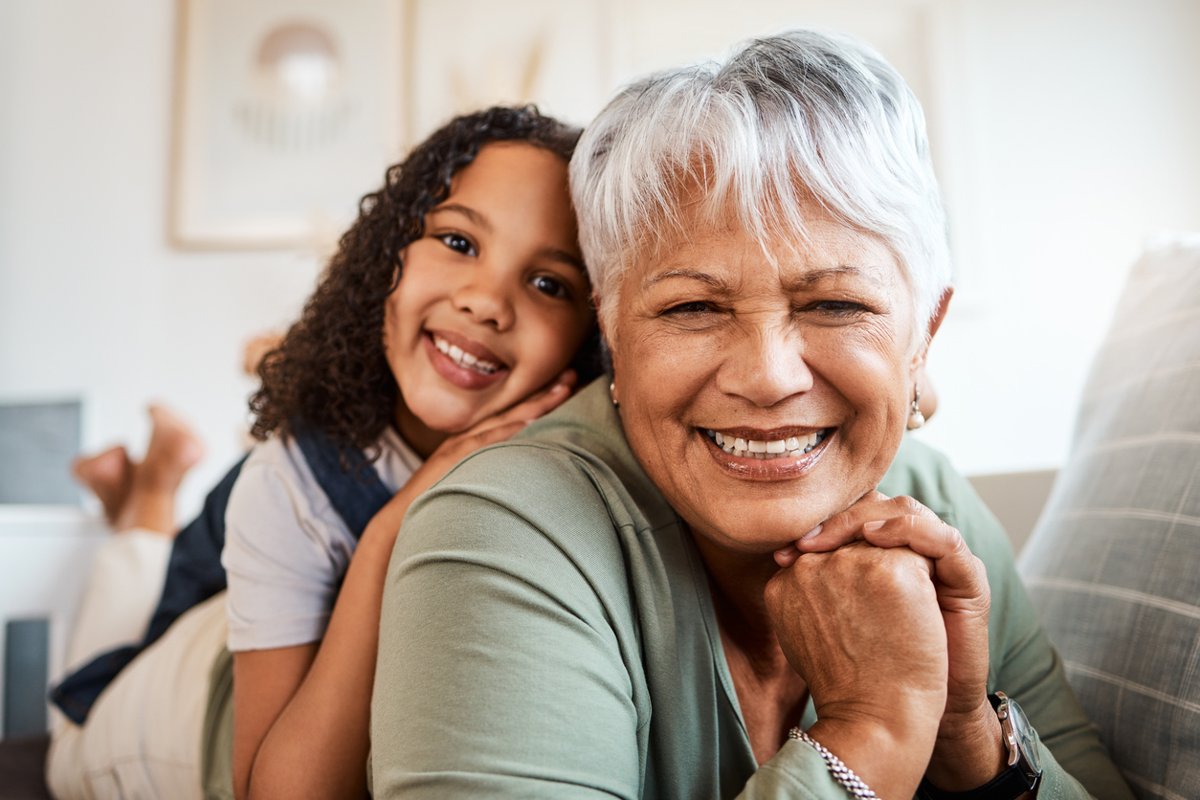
{"x": 773, "y": 594}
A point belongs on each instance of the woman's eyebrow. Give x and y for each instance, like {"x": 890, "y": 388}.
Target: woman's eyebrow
{"x": 690, "y": 274}
{"x": 470, "y": 213}
{"x": 811, "y": 278}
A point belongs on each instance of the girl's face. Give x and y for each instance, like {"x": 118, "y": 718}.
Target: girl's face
{"x": 493, "y": 299}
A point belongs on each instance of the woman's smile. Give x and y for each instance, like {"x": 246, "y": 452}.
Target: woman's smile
{"x": 780, "y": 454}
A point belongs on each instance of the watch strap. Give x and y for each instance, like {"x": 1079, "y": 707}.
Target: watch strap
{"x": 1013, "y": 782}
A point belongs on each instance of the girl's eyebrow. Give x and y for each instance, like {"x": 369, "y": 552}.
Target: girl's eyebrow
{"x": 570, "y": 259}
{"x": 553, "y": 253}
{"x": 470, "y": 213}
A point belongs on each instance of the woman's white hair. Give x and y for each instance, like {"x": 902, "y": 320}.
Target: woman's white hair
{"x": 787, "y": 121}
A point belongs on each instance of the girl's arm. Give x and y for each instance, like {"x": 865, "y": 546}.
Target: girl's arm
{"x": 301, "y": 713}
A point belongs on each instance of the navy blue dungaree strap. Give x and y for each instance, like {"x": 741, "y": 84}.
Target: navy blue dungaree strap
{"x": 194, "y": 571}
{"x": 353, "y": 488}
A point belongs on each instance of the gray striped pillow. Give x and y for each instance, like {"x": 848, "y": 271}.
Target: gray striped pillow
{"x": 1113, "y": 564}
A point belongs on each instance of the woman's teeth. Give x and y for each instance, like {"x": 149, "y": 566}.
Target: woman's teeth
{"x": 464, "y": 359}
{"x": 790, "y": 447}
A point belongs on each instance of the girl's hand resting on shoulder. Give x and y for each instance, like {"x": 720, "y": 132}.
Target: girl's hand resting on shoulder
{"x": 458, "y": 446}
{"x": 969, "y": 751}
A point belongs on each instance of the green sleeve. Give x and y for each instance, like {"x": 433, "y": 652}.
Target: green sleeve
{"x": 509, "y": 654}
{"x": 796, "y": 771}
{"x": 1024, "y": 664}
{"x": 499, "y": 673}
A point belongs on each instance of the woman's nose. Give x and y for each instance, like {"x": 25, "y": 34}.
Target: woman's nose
{"x": 485, "y": 295}
{"x": 765, "y": 366}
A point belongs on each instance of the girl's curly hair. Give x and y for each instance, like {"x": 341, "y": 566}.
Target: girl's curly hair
{"x": 329, "y": 372}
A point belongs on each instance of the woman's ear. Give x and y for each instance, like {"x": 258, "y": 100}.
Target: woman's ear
{"x": 935, "y": 322}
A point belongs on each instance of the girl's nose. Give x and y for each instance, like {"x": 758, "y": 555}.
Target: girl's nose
{"x": 485, "y": 295}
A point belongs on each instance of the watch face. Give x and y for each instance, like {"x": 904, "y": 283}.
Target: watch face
{"x": 1024, "y": 733}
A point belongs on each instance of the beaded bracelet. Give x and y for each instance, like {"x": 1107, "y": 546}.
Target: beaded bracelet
{"x": 840, "y": 772}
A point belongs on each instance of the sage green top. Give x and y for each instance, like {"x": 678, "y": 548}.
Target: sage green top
{"x": 548, "y": 632}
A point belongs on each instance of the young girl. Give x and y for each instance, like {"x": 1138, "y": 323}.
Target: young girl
{"x": 460, "y": 292}
{"x": 455, "y": 312}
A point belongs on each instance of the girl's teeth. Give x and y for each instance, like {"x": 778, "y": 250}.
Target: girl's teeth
{"x": 791, "y": 447}
{"x": 463, "y": 358}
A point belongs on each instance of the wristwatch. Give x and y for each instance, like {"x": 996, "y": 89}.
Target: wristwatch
{"x": 1024, "y": 770}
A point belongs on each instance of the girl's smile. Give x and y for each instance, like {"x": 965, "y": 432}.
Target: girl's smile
{"x": 465, "y": 363}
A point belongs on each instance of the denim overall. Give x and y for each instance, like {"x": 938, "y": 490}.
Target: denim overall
{"x": 194, "y": 571}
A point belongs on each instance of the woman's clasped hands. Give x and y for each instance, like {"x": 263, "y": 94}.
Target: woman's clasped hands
{"x": 883, "y": 610}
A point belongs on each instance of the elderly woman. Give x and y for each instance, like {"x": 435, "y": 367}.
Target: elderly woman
{"x": 702, "y": 579}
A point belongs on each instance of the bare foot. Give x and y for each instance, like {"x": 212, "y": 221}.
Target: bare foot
{"x": 108, "y": 475}
{"x": 173, "y": 450}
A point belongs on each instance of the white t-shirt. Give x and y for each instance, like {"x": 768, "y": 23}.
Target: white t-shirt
{"x": 286, "y": 548}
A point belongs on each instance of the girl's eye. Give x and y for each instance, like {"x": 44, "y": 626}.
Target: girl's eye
{"x": 458, "y": 243}
{"x": 551, "y": 287}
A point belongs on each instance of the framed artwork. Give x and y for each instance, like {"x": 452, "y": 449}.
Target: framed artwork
{"x": 286, "y": 112}
{"x": 468, "y": 54}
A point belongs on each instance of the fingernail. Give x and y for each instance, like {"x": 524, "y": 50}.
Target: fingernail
{"x": 873, "y": 525}
{"x": 812, "y": 534}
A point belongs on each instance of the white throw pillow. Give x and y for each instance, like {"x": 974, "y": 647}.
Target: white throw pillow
{"x": 1113, "y": 564}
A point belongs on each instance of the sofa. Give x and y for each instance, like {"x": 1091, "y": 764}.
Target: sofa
{"x": 1113, "y": 564}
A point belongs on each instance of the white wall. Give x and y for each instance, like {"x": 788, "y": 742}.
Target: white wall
{"x": 1084, "y": 120}
{"x": 1071, "y": 128}
{"x": 93, "y": 302}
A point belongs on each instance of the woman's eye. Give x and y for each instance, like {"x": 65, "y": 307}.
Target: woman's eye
{"x": 838, "y": 308}
{"x": 691, "y": 308}
{"x": 552, "y": 287}
{"x": 458, "y": 243}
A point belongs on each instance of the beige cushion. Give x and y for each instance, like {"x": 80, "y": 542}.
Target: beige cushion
{"x": 1113, "y": 564}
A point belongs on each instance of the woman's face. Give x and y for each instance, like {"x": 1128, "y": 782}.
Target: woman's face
{"x": 493, "y": 299}
{"x": 761, "y": 398}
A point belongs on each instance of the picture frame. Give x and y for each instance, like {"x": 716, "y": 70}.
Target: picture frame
{"x": 285, "y": 113}
{"x": 552, "y": 53}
